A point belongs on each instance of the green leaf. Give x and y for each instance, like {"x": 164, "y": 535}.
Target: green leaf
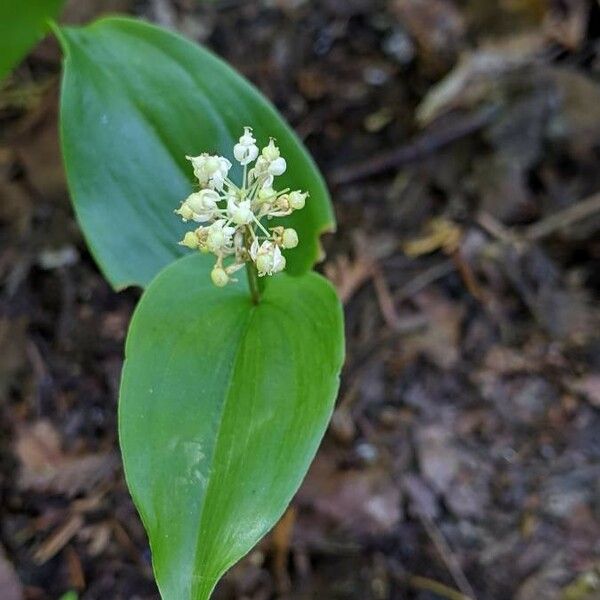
{"x": 135, "y": 100}
{"x": 22, "y": 24}
{"x": 223, "y": 405}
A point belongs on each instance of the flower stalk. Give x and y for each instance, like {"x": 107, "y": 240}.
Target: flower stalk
{"x": 253, "y": 282}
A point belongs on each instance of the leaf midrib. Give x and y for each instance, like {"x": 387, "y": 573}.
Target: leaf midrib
{"x": 195, "y": 591}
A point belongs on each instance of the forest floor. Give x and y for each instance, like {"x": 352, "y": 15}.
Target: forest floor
{"x": 461, "y": 144}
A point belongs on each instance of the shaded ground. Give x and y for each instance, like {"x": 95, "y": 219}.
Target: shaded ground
{"x": 465, "y": 450}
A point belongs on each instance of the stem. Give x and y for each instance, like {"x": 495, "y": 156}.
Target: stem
{"x": 253, "y": 282}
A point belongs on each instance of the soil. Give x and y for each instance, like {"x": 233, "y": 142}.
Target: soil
{"x": 461, "y": 144}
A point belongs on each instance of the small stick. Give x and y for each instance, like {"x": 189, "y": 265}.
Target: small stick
{"x": 421, "y": 146}
{"x": 447, "y": 556}
{"x": 430, "y": 585}
{"x": 568, "y": 216}
{"x": 385, "y": 299}
{"x": 423, "y": 279}
{"x": 495, "y": 228}
{"x": 547, "y": 226}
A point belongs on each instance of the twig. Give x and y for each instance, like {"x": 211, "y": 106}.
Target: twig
{"x": 495, "y": 228}
{"x": 58, "y": 539}
{"x": 568, "y": 216}
{"x": 385, "y": 299}
{"x": 281, "y": 538}
{"x": 424, "y": 278}
{"x": 467, "y": 275}
{"x": 447, "y": 556}
{"x": 430, "y": 585}
{"x": 421, "y": 146}
{"x": 547, "y": 226}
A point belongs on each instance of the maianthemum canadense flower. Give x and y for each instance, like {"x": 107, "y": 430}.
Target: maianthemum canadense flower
{"x": 231, "y": 215}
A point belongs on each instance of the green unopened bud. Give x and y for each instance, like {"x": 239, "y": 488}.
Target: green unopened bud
{"x": 190, "y": 240}
{"x": 289, "y": 238}
{"x": 219, "y": 277}
{"x": 297, "y": 200}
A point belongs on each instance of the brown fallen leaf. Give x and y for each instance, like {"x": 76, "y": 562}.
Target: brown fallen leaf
{"x": 45, "y": 468}
{"x": 348, "y": 276}
{"x": 475, "y": 77}
{"x": 437, "y": 26}
{"x": 356, "y": 501}
{"x": 440, "y": 340}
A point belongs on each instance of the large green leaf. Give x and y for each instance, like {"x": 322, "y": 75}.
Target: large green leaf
{"x": 22, "y": 24}
{"x": 135, "y": 100}
{"x": 223, "y": 404}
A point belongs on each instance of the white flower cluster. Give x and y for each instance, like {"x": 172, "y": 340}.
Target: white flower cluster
{"x": 231, "y": 215}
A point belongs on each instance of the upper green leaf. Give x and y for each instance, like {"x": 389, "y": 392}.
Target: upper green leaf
{"x": 22, "y": 24}
{"x": 135, "y": 100}
{"x": 223, "y": 404}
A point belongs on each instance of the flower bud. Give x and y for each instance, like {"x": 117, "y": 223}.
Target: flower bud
{"x": 278, "y": 166}
{"x": 245, "y": 154}
{"x": 219, "y": 277}
{"x": 266, "y": 194}
{"x": 297, "y": 200}
{"x": 289, "y": 238}
{"x": 271, "y": 152}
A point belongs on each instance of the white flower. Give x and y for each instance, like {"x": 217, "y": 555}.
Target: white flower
{"x": 246, "y": 150}
{"x": 202, "y": 204}
{"x": 210, "y": 170}
{"x": 268, "y": 258}
{"x": 240, "y": 212}
{"x": 232, "y": 214}
{"x": 219, "y": 237}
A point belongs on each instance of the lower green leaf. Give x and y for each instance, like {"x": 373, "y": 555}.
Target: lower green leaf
{"x": 223, "y": 405}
